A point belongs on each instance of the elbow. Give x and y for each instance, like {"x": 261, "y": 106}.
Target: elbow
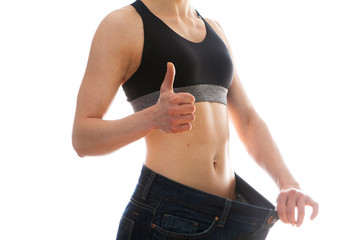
{"x": 80, "y": 155}
{"x": 85, "y": 147}
{"x": 78, "y": 149}
{"x": 78, "y": 145}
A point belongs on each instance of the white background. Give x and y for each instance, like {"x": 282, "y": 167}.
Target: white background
{"x": 298, "y": 60}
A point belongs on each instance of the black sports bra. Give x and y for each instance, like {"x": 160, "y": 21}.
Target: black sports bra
{"x": 203, "y": 69}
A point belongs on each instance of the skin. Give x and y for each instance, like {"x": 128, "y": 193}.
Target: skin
{"x": 186, "y": 141}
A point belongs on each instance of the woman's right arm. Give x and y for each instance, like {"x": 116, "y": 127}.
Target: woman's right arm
{"x": 114, "y": 55}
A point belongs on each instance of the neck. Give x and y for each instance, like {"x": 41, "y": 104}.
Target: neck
{"x": 170, "y": 7}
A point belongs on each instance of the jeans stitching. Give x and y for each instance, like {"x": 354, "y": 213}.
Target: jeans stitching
{"x": 181, "y": 235}
{"x": 225, "y": 213}
{"x": 183, "y": 204}
{"x": 132, "y": 223}
{"x": 244, "y": 221}
{"x": 148, "y": 185}
{"x": 264, "y": 227}
{"x": 142, "y": 205}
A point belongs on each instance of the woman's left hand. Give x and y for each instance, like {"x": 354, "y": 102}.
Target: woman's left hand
{"x": 291, "y": 198}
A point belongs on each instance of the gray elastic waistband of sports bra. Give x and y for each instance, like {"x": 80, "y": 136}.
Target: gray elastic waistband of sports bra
{"x": 201, "y": 92}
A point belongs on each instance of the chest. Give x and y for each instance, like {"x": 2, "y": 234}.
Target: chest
{"x": 205, "y": 62}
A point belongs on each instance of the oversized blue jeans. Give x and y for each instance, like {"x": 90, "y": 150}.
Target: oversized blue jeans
{"x": 161, "y": 208}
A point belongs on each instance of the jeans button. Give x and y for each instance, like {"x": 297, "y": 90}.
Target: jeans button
{"x": 271, "y": 220}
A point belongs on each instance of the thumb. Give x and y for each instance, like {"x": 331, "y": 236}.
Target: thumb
{"x": 168, "y": 82}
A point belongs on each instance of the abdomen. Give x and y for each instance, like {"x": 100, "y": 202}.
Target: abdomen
{"x": 197, "y": 158}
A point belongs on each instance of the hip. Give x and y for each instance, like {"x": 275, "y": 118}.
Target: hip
{"x": 164, "y": 209}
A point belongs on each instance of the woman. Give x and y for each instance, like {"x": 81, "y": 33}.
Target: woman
{"x": 187, "y": 188}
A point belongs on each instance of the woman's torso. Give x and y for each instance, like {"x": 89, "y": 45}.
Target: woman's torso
{"x": 198, "y": 158}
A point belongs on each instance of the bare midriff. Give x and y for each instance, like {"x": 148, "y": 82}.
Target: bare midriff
{"x": 198, "y": 158}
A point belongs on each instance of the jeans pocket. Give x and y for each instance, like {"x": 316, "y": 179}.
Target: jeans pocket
{"x": 125, "y": 229}
{"x": 175, "y": 233}
{"x": 180, "y": 220}
{"x": 179, "y": 224}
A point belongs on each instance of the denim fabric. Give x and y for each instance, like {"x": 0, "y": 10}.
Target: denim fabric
{"x": 162, "y": 209}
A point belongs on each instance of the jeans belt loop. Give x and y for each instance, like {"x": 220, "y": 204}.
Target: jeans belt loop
{"x": 225, "y": 213}
{"x": 148, "y": 185}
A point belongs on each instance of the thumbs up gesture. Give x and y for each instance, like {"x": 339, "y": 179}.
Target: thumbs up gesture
{"x": 174, "y": 111}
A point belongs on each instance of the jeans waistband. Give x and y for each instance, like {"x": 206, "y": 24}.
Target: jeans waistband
{"x": 258, "y": 207}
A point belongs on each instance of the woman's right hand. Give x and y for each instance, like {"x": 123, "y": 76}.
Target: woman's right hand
{"x": 174, "y": 112}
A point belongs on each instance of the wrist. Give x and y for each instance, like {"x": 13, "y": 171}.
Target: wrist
{"x": 289, "y": 186}
{"x": 151, "y": 116}
{"x": 285, "y": 180}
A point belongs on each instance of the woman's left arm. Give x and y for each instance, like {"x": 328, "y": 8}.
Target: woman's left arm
{"x": 256, "y": 137}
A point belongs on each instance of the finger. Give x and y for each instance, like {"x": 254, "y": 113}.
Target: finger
{"x": 281, "y": 208}
{"x": 301, "y": 211}
{"x": 182, "y": 98}
{"x": 183, "y": 109}
{"x": 168, "y": 82}
{"x": 182, "y": 128}
{"x": 314, "y": 205}
{"x": 290, "y": 209}
{"x": 184, "y": 119}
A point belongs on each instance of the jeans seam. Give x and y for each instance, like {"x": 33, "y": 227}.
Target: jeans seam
{"x": 152, "y": 220}
{"x": 131, "y": 222}
{"x": 142, "y": 205}
{"x": 263, "y": 227}
{"x": 208, "y": 231}
{"x": 225, "y": 213}
{"x": 244, "y": 221}
{"x": 184, "y": 204}
{"x": 148, "y": 185}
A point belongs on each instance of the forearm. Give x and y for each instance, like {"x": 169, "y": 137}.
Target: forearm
{"x": 95, "y": 136}
{"x": 261, "y": 146}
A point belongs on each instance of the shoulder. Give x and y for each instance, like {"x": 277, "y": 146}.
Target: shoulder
{"x": 119, "y": 39}
{"x": 216, "y": 27}
{"x": 119, "y": 32}
{"x": 123, "y": 18}
{"x": 121, "y": 24}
